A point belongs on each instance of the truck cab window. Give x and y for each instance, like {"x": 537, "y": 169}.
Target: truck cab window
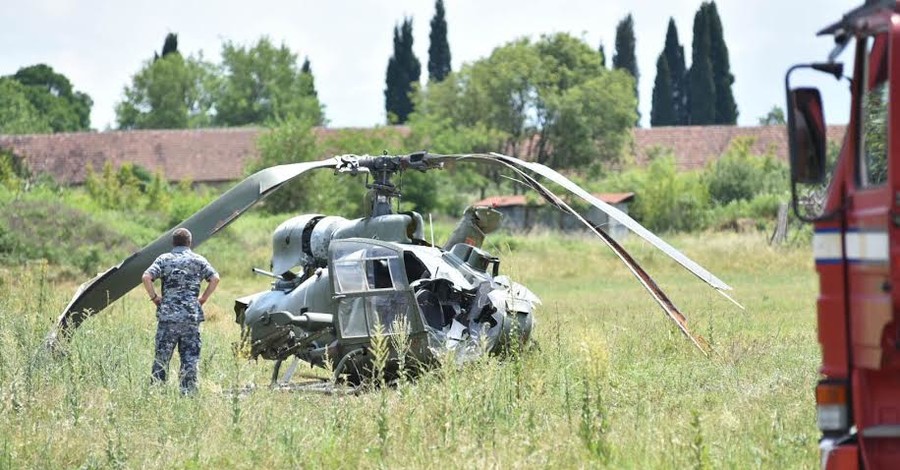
{"x": 873, "y": 119}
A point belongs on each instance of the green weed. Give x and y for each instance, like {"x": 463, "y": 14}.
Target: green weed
{"x": 612, "y": 383}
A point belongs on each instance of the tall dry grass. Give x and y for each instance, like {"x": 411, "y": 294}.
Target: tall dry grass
{"x": 608, "y": 383}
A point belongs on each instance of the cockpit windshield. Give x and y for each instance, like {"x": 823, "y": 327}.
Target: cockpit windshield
{"x": 373, "y": 289}
{"x": 360, "y": 267}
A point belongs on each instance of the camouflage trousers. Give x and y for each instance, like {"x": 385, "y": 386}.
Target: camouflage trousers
{"x": 185, "y": 335}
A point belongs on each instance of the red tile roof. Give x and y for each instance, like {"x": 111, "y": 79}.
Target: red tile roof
{"x": 217, "y": 155}
{"x": 207, "y": 155}
{"x": 199, "y": 155}
{"x": 614, "y": 198}
{"x": 695, "y": 146}
{"x": 503, "y": 201}
{"x": 520, "y": 200}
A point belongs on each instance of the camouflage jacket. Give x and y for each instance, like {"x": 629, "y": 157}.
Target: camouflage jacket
{"x": 181, "y": 271}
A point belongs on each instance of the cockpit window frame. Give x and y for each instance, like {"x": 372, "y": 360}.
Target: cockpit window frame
{"x": 358, "y": 309}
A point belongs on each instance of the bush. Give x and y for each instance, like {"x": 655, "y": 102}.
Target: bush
{"x": 665, "y": 199}
{"x": 12, "y": 172}
{"x": 735, "y": 214}
{"x": 740, "y": 175}
{"x": 289, "y": 141}
{"x": 44, "y": 229}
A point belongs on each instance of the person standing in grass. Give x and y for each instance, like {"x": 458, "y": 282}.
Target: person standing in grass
{"x": 179, "y": 309}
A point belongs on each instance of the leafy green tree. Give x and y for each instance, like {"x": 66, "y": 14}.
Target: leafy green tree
{"x": 674, "y": 53}
{"x": 17, "y": 114}
{"x": 261, "y": 84}
{"x": 552, "y": 97}
{"x": 52, "y": 96}
{"x": 402, "y": 72}
{"x": 170, "y": 92}
{"x": 663, "y": 111}
{"x": 438, "y": 49}
{"x": 288, "y": 141}
{"x": 624, "y": 57}
{"x": 726, "y": 108}
{"x": 702, "y": 82}
{"x": 774, "y": 117}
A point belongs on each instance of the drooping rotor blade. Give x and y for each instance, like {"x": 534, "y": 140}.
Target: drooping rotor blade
{"x": 94, "y": 295}
{"x": 622, "y": 218}
{"x": 611, "y": 211}
{"x": 655, "y": 291}
{"x": 643, "y": 277}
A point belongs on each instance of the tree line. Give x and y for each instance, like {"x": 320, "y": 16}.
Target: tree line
{"x": 701, "y": 94}
{"x": 552, "y": 98}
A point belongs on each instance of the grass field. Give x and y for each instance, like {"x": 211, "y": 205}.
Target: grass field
{"x": 610, "y": 384}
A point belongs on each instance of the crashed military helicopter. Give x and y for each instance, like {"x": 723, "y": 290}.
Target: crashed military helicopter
{"x": 340, "y": 283}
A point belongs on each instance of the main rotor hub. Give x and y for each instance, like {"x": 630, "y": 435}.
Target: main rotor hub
{"x": 382, "y": 190}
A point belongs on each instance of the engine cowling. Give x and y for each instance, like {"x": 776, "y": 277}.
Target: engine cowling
{"x": 304, "y": 240}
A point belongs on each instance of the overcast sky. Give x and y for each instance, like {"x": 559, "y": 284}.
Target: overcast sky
{"x": 100, "y": 44}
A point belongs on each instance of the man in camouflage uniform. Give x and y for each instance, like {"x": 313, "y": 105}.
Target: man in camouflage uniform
{"x": 179, "y": 310}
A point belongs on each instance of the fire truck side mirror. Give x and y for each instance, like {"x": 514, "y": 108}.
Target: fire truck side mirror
{"x": 806, "y": 136}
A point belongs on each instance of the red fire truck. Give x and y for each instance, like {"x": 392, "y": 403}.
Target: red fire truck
{"x": 853, "y": 200}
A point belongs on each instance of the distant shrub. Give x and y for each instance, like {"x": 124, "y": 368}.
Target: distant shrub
{"x": 44, "y": 229}
{"x": 12, "y": 173}
{"x": 740, "y": 175}
{"x": 665, "y": 199}
{"x": 130, "y": 188}
{"x": 759, "y": 211}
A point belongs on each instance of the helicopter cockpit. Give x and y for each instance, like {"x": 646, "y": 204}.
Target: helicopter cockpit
{"x": 372, "y": 289}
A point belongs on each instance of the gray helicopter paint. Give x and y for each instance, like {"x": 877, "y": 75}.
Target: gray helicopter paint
{"x": 477, "y": 222}
{"x": 289, "y": 250}
{"x": 287, "y": 243}
{"x": 313, "y": 294}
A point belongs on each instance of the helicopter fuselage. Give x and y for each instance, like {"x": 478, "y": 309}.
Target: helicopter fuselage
{"x": 382, "y": 279}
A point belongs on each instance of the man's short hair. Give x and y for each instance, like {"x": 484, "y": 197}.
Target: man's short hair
{"x": 181, "y": 237}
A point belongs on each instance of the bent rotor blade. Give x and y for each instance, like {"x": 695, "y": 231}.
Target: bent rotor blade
{"x": 622, "y": 218}
{"x": 611, "y": 211}
{"x": 94, "y": 295}
{"x": 655, "y": 291}
{"x": 643, "y": 277}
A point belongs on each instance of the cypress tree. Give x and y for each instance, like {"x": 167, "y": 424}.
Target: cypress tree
{"x": 403, "y": 69}
{"x": 702, "y": 86}
{"x": 170, "y": 46}
{"x": 663, "y": 112}
{"x": 439, "y": 48}
{"x": 674, "y": 53}
{"x": 624, "y": 57}
{"x": 726, "y": 108}
{"x": 602, "y": 52}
